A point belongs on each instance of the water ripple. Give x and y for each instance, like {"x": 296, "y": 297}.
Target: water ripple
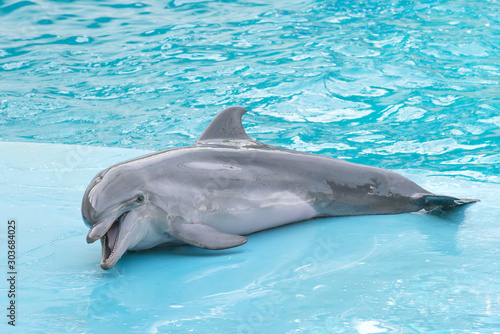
{"x": 373, "y": 74}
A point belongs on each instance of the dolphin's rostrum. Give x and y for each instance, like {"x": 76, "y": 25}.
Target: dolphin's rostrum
{"x": 228, "y": 185}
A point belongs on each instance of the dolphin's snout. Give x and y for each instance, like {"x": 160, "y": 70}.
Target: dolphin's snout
{"x": 99, "y": 229}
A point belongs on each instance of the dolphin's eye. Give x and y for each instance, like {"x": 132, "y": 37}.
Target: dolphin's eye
{"x": 140, "y": 198}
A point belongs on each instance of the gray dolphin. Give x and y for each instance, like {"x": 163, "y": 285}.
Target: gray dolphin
{"x": 228, "y": 185}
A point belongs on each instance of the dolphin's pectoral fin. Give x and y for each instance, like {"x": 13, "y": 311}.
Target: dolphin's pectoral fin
{"x": 430, "y": 202}
{"x": 204, "y": 236}
{"x": 226, "y": 126}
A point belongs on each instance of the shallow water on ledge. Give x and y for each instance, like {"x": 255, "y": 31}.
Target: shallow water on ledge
{"x": 409, "y": 273}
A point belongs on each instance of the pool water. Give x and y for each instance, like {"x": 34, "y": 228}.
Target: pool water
{"x": 407, "y": 86}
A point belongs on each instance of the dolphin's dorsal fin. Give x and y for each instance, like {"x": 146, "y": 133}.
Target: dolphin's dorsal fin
{"x": 225, "y": 126}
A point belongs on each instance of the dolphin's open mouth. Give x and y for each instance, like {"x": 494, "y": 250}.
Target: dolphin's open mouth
{"x": 109, "y": 241}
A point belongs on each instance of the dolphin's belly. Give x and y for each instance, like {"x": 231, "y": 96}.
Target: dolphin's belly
{"x": 255, "y": 215}
{"x": 153, "y": 239}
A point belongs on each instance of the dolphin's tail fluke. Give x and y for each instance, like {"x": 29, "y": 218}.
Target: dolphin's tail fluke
{"x": 430, "y": 202}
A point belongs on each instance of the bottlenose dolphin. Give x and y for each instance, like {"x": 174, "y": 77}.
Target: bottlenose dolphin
{"x": 228, "y": 185}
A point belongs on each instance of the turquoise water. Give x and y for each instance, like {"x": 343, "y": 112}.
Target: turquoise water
{"x": 408, "y": 86}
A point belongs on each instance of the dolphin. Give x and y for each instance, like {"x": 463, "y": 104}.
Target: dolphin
{"x": 228, "y": 185}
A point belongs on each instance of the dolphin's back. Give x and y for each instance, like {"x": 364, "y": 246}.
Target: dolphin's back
{"x": 235, "y": 179}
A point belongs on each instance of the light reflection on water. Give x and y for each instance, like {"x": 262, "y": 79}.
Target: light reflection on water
{"x": 151, "y": 75}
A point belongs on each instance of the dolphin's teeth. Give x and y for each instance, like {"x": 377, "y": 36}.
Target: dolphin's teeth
{"x": 104, "y": 243}
{"x": 110, "y": 241}
{"x": 112, "y": 234}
